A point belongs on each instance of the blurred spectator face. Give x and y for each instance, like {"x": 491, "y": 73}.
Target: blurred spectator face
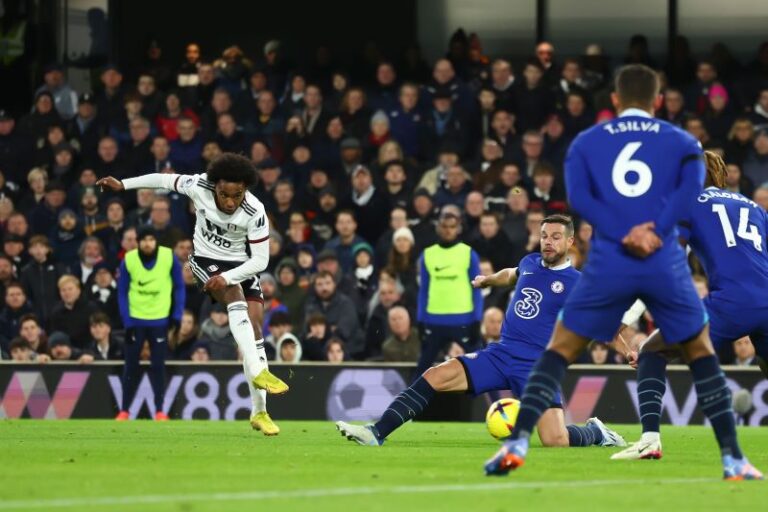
{"x": 718, "y": 102}
{"x": 221, "y": 102}
{"x": 389, "y": 151}
{"x": 129, "y": 243}
{"x": 571, "y": 71}
{"x": 92, "y": 252}
{"x": 283, "y": 194}
{"x": 733, "y": 176}
{"x": 575, "y": 105}
{"x": 380, "y": 127}
{"x": 226, "y": 125}
{"x": 532, "y": 146}
{"x": 200, "y": 355}
{"x": 210, "y": 151}
{"x": 55, "y": 135}
{"x": 21, "y": 354}
{"x": 335, "y": 352}
{"x": 743, "y": 131}
{"x": 398, "y": 219}
{"x": 361, "y": 181}
{"x": 286, "y": 276}
{"x": 301, "y": 154}
{"x": 43, "y": 104}
{"x": 762, "y": 99}
{"x": 103, "y": 278}
{"x": 409, "y": 96}
{"x": 288, "y": 350}
{"x": 55, "y": 198}
{"x": 172, "y": 103}
{"x": 186, "y": 129}
{"x": 298, "y": 84}
{"x": 339, "y": 82}
{"x": 37, "y": 183}
{"x": 598, "y": 353}
{"x": 313, "y": 98}
{"x": 474, "y": 204}
{"x": 146, "y": 85}
{"x": 346, "y": 225}
{"x": 327, "y": 202}
{"x": 133, "y": 107}
{"x": 355, "y": 100}
{"x": 13, "y": 248}
{"x": 422, "y": 205}
{"x": 69, "y": 292}
{"x": 585, "y": 231}
{"x": 455, "y": 178}
{"x": 351, "y": 155}
{"x": 388, "y": 294}
{"x": 501, "y": 73}
{"x": 385, "y": 74}
{"x": 702, "y": 288}
{"x": 219, "y": 318}
{"x": 193, "y": 53}
{"x": 259, "y": 152}
{"x": 318, "y": 178}
{"x": 510, "y": 175}
{"x": 67, "y": 222}
{"x": 325, "y": 287}
{"x": 6, "y": 127}
{"x": 53, "y": 79}
{"x": 706, "y": 73}
{"x": 111, "y": 79}
{"x": 447, "y": 159}
{"x": 543, "y": 180}
{"x": 160, "y": 148}
{"x": 145, "y": 197}
{"x": 532, "y": 75}
{"x": 86, "y": 110}
{"x": 61, "y": 352}
{"x": 492, "y": 319}
{"x": 6, "y": 270}
{"x": 206, "y": 74}
{"x": 266, "y": 103}
{"x": 63, "y": 158}
{"x": 673, "y": 101}
{"x": 100, "y": 332}
{"x": 442, "y": 105}
{"x": 107, "y": 149}
{"x": 502, "y": 122}
{"x": 362, "y": 259}
{"x": 329, "y": 265}
{"x": 187, "y": 324}
{"x": 30, "y": 331}
{"x": 139, "y": 130}
{"x": 761, "y": 143}
{"x": 489, "y": 226}
{"x": 15, "y": 297}
{"x": 297, "y": 227}
{"x": 395, "y": 175}
{"x": 487, "y": 100}
{"x": 39, "y": 252}
{"x": 87, "y": 178}
{"x": 744, "y": 349}
{"x": 545, "y": 52}
{"x": 258, "y": 81}
{"x": 533, "y": 221}
{"x": 403, "y": 245}
{"x": 268, "y": 288}
{"x": 17, "y": 225}
{"x": 443, "y": 71}
{"x": 399, "y": 322}
{"x": 486, "y": 268}
{"x": 160, "y": 214}
{"x": 183, "y": 249}
{"x": 90, "y": 203}
{"x": 491, "y": 150}
{"x": 696, "y": 128}
{"x": 335, "y": 129}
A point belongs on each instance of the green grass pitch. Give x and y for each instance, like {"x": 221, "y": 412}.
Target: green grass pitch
{"x": 211, "y": 466}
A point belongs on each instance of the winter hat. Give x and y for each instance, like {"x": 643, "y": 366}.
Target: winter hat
{"x": 718, "y": 90}
{"x": 403, "y": 232}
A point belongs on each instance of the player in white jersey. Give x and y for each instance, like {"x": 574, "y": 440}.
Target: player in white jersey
{"x": 231, "y": 246}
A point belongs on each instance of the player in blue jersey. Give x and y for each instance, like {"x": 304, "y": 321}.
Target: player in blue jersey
{"x": 543, "y": 282}
{"x": 727, "y": 232}
{"x": 633, "y": 178}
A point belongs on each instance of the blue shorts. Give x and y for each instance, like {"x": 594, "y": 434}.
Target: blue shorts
{"x": 727, "y": 323}
{"x": 495, "y": 368}
{"x": 599, "y": 300}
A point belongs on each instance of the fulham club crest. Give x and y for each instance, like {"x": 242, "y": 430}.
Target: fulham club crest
{"x": 558, "y": 287}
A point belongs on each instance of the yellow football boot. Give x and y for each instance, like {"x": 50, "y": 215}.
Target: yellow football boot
{"x": 268, "y": 382}
{"x": 262, "y": 421}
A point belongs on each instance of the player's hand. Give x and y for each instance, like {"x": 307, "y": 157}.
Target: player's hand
{"x": 215, "y": 284}
{"x": 110, "y": 183}
{"x": 481, "y": 282}
{"x": 632, "y": 358}
{"x": 642, "y": 241}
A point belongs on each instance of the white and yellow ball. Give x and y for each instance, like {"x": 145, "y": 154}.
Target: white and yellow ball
{"x": 501, "y": 417}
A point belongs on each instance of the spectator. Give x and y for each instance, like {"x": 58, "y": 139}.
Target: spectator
{"x": 719, "y": 115}
{"x": 599, "y": 354}
{"x": 490, "y": 329}
{"x": 735, "y": 181}
{"x": 760, "y": 108}
{"x": 384, "y": 94}
{"x": 365, "y": 204}
{"x": 169, "y": 117}
{"x": 442, "y": 126}
{"x": 335, "y": 306}
{"x": 15, "y": 307}
{"x": 40, "y": 275}
{"x": 103, "y": 292}
{"x": 186, "y": 150}
{"x": 740, "y": 141}
{"x": 673, "y": 109}
{"x": 72, "y": 314}
{"x": 62, "y": 349}
{"x": 495, "y": 296}
{"x": 138, "y": 156}
{"x": 181, "y": 342}
{"x": 16, "y": 149}
{"x": 544, "y": 193}
{"x": 492, "y": 243}
{"x": 37, "y": 179}
{"x": 151, "y": 97}
{"x": 760, "y": 196}
{"x": 317, "y": 335}
{"x": 111, "y": 235}
{"x": 756, "y": 164}
{"x": 90, "y": 254}
{"x": 515, "y": 216}
{"x": 31, "y": 331}
{"x": 448, "y": 307}
{"x": 405, "y": 120}
{"x": 744, "y": 352}
{"x": 346, "y": 227}
{"x": 13, "y": 247}
{"x": 187, "y": 74}
{"x": 91, "y": 217}
{"x": 533, "y": 98}
{"x": 35, "y": 124}
{"x": 47, "y": 211}
{"x": 457, "y": 187}
{"x": 576, "y": 116}
{"x": 86, "y": 128}
{"x": 67, "y": 238}
{"x": 103, "y": 346}
{"x": 21, "y": 351}
{"x": 354, "y": 113}
{"x": 271, "y": 304}
{"x": 364, "y": 270}
{"x": 388, "y": 294}
{"x": 335, "y": 350}
{"x": 201, "y": 352}
{"x": 160, "y": 221}
{"x": 403, "y": 343}
{"x": 64, "y": 97}
{"x": 697, "y": 97}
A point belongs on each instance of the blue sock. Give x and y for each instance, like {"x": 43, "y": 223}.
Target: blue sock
{"x": 543, "y": 384}
{"x": 406, "y": 406}
{"x": 588, "y": 435}
{"x": 715, "y": 402}
{"x": 651, "y": 386}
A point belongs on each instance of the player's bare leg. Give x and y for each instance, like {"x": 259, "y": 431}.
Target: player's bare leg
{"x": 551, "y": 428}
{"x": 446, "y": 377}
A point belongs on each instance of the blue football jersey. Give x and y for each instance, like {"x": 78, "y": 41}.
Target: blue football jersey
{"x": 728, "y": 232}
{"x": 631, "y": 170}
{"x": 532, "y": 312}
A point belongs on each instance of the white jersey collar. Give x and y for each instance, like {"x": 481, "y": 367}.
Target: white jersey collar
{"x": 634, "y": 112}
{"x": 559, "y": 267}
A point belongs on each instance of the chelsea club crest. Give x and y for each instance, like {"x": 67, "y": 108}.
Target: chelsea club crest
{"x": 558, "y": 287}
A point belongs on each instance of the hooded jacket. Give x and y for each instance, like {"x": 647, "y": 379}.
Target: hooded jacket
{"x": 283, "y": 339}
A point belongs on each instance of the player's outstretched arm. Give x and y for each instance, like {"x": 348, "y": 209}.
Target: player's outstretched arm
{"x": 503, "y": 278}
{"x": 153, "y": 180}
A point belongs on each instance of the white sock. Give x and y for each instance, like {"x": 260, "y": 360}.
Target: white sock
{"x": 651, "y": 437}
{"x": 258, "y": 396}
{"x": 242, "y": 330}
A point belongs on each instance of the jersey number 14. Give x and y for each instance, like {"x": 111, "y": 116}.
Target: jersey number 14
{"x": 745, "y": 231}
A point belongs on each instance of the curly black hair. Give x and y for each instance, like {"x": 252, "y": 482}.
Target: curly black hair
{"x": 232, "y": 168}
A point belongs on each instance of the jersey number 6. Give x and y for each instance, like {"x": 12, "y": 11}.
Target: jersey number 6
{"x": 624, "y": 165}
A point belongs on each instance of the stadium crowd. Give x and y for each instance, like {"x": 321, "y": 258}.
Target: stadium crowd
{"x": 352, "y": 170}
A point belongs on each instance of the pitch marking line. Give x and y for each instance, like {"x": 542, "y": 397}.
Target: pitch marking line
{"x": 320, "y": 493}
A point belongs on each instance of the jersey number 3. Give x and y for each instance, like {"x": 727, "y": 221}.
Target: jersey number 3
{"x": 625, "y": 165}
{"x": 745, "y": 231}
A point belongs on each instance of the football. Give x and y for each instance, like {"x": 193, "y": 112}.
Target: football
{"x": 501, "y": 417}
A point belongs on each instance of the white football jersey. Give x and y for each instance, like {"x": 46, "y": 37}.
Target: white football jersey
{"x": 218, "y": 235}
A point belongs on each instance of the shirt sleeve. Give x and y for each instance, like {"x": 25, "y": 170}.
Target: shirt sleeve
{"x": 179, "y": 291}
{"x": 477, "y": 294}
{"x": 123, "y": 283}
{"x": 258, "y": 242}
{"x": 634, "y": 313}
{"x": 423, "y": 290}
{"x": 181, "y": 183}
